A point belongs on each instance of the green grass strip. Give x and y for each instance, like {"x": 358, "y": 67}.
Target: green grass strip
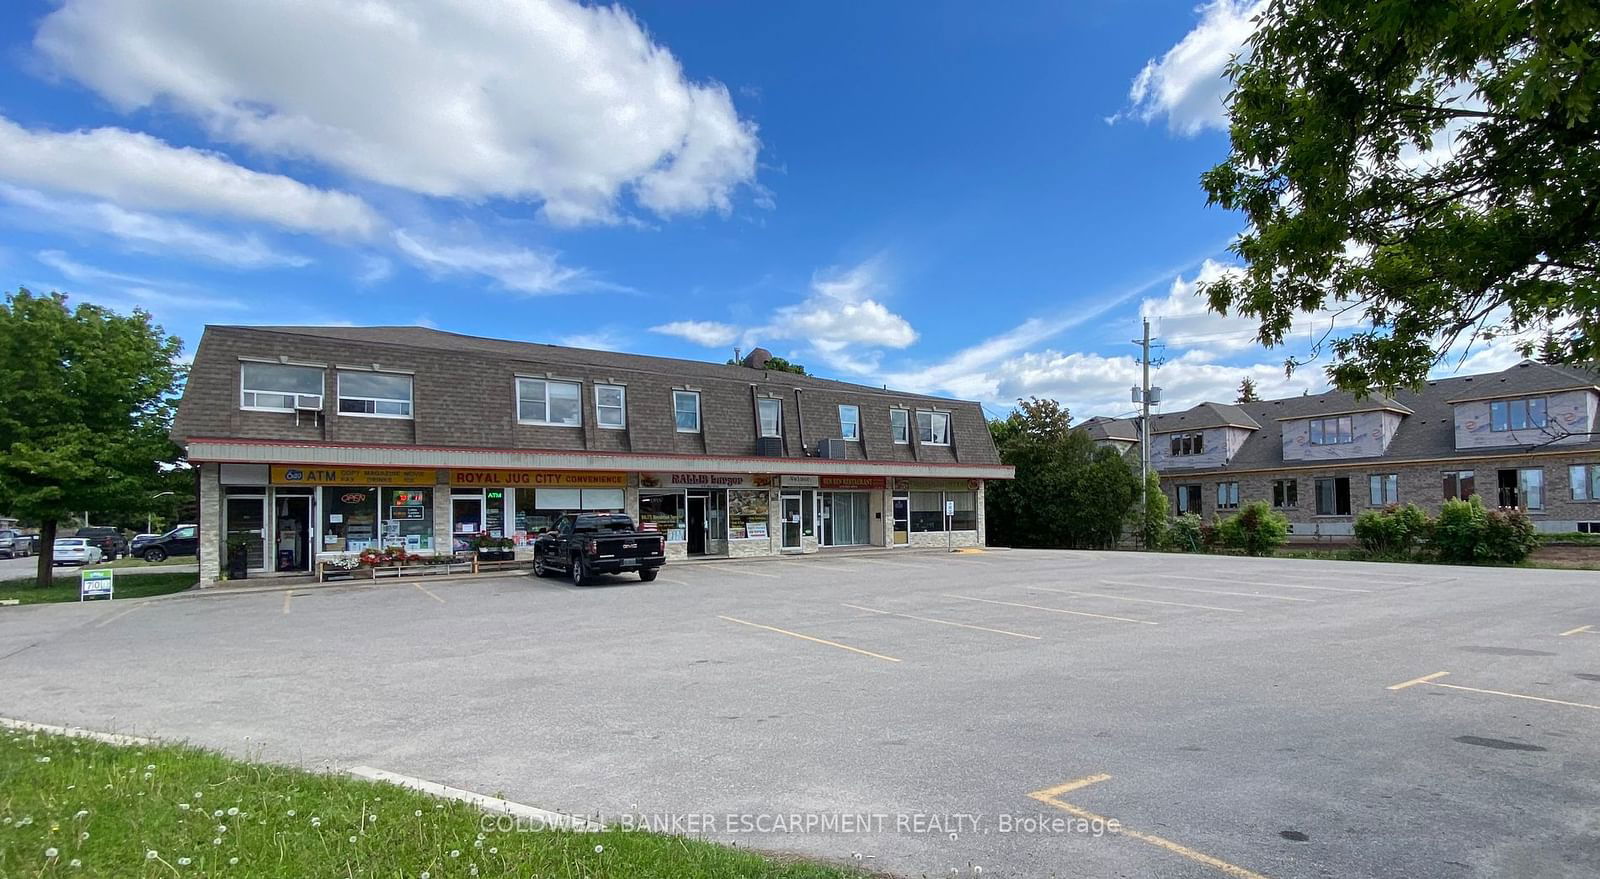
{"x": 65, "y": 587}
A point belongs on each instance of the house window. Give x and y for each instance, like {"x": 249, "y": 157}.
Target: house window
{"x": 610, "y": 406}
{"x": 686, "y": 411}
{"x": 272, "y": 387}
{"x": 1227, "y": 495}
{"x": 375, "y": 394}
{"x": 933, "y": 428}
{"x": 770, "y": 415}
{"x": 1285, "y": 493}
{"x": 1188, "y": 443}
{"x": 1188, "y": 499}
{"x": 900, "y": 426}
{"x": 1523, "y": 488}
{"x": 548, "y": 402}
{"x": 1383, "y": 489}
{"x": 850, "y": 422}
{"x": 1585, "y": 481}
{"x": 1332, "y": 431}
{"x": 1517, "y": 414}
{"x": 1459, "y": 484}
{"x": 1333, "y": 496}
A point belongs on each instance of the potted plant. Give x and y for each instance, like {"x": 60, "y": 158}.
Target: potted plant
{"x": 238, "y": 557}
{"x": 494, "y": 549}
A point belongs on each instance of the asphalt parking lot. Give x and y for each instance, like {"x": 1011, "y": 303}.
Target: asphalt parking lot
{"x": 923, "y": 711}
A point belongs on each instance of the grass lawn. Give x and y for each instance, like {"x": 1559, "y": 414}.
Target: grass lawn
{"x": 132, "y": 562}
{"x": 65, "y": 588}
{"x": 75, "y": 807}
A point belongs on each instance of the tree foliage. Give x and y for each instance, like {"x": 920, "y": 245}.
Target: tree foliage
{"x": 1067, "y": 492}
{"x": 1247, "y": 391}
{"x": 778, "y": 364}
{"x": 1434, "y": 165}
{"x": 86, "y": 399}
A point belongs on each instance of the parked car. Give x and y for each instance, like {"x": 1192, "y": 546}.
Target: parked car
{"x": 139, "y": 542}
{"x": 111, "y": 542}
{"x": 76, "y": 551}
{"x": 182, "y": 540}
{"x": 15, "y": 544}
{"x": 586, "y": 544}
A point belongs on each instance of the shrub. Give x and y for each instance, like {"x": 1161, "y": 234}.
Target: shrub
{"x": 1508, "y": 536}
{"x": 1394, "y": 531}
{"x": 1185, "y": 534}
{"x": 1152, "y": 524}
{"x": 1255, "y": 529}
{"x": 1458, "y": 533}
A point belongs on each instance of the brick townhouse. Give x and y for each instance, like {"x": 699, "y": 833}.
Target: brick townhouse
{"x": 319, "y": 442}
{"x": 1524, "y": 437}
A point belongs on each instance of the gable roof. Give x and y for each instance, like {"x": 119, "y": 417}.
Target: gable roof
{"x": 1203, "y": 415}
{"x": 1102, "y": 427}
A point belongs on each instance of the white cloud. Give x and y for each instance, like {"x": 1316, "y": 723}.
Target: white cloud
{"x": 516, "y": 268}
{"x": 136, "y": 170}
{"x": 603, "y": 340}
{"x": 1187, "y": 84}
{"x": 146, "y": 233}
{"x": 711, "y": 334}
{"x": 123, "y": 289}
{"x": 840, "y": 320}
{"x": 541, "y": 100}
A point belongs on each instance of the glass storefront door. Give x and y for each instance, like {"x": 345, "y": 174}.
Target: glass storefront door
{"x": 789, "y": 511}
{"x": 292, "y": 532}
{"x": 246, "y": 521}
{"x": 846, "y": 517}
{"x": 902, "y": 520}
{"x": 466, "y": 520}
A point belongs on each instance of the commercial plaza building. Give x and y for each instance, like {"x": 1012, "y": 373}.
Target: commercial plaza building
{"x": 315, "y": 443}
{"x": 1524, "y": 437}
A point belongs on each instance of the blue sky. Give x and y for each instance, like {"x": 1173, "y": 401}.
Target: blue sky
{"x": 935, "y": 196}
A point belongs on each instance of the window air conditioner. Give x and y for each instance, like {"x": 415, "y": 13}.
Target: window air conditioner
{"x": 308, "y": 402}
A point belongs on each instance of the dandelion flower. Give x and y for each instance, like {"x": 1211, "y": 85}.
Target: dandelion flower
{"x": 494, "y": 850}
{"x": 147, "y": 776}
{"x": 50, "y": 853}
{"x": 424, "y": 875}
{"x": 599, "y": 848}
{"x": 44, "y": 759}
{"x": 352, "y": 839}
{"x": 455, "y": 853}
{"x": 183, "y": 862}
{"x": 151, "y": 766}
{"x": 198, "y": 795}
{"x": 316, "y": 822}
{"x": 83, "y": 836}
{"x": 75, "y": 863}
{"x": 417, "y": 813}
{"x": 151, "y": 855}
{"x": 216, "y": 840}
{"x": 290, "y": 813}
{"x": 222, "y": 828}
{"x": 233, "y": 810}
{"x": 81, "y": 814}
{"x": 232, "y": 861}
{"x": 183, "y": 807}
{"x": 216, "y": 813}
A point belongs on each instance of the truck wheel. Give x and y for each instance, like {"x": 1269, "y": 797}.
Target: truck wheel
{"x": 155, "y": 555}
{"x": 647, "y": 574}
{"x": 580, "y": 571}
{"x": 539, "y": 570}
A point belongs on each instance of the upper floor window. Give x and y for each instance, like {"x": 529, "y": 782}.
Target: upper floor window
{"x": 378, "y": 394}
{"x": 686, "y": 411}
{"x": 610, "y": 406}
{"x": 1517, "y": 414}
{"x": 548, "y": 402}
{"x": 274, "y": 387}
{"x": 1332, "y": 431}
{"x": 769, "y": 413}
{"x": 850, "y": 422}
{"x": 1188, "y": 443}
{"x": 933, "y": 428}
{"x": 900, "y": 426}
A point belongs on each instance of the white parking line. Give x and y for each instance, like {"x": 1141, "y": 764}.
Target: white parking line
{"x": 117, "y": 616}
{"x": 1203, "y": 591}
{"x": 756, "y": 573}
{"x": 1140, "y": 600}
{"x": 910, "y": 616}
{"x": 1076, "y": 613}
{"x": 1261, "y": 583}
{"x": 890, "y": 564}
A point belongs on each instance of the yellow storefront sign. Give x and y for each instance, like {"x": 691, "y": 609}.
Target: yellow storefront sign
{"x": 285, "y": 474}
{"x": 538, "y": 478}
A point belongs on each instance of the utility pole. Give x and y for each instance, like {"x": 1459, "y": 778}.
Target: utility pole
{"x": 1144, "y": 395}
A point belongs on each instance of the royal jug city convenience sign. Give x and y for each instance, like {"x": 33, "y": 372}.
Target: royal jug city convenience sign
{"x": 538, "y": 478}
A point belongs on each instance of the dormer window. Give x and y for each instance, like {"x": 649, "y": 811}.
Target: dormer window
{"x": 1333, "y": 431}
{"x": 1517, "y": 414}
{"x": 1188, "y": 443}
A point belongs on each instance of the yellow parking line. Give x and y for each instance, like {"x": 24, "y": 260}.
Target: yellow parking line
{"x": 809, "y": 638}
{"x": 117, "y": 616}
{"x": 942, "y": 622}
{"x": 286, "y": 596}
{"x": 1262, "y": 583}
{"x": 1049, "y": 796}
{"x": 1204, "y": 591}
{"x": 1076, "y": 613}
{"x": 1576, "y": 631}
{"x": 1140, "y": 600}
{"x": 1431, "y": 680}
{"x": 428, "y": 592}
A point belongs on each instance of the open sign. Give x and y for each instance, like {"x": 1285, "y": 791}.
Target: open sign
{"x": 354, "y": 497}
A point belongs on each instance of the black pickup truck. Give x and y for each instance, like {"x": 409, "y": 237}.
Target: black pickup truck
{"x": 586, "y": 544}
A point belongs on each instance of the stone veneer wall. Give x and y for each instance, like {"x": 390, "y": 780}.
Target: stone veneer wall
{"x": 211, "y": 548}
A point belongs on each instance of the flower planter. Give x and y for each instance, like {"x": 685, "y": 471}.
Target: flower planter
{"x": 497, "y": 555}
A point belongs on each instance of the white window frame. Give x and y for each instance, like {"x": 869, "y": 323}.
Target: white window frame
{"x": 1227, "y": 495}
{"x": 932, "y": 414}
{"x": 900, "y": 433}
{"x": 1583, "y": 481}
{"x": 599, "y": 410}
{"x": 545, "y": 422}
{"x": 244, "y": 390}
{"x": 854, "y": 421}
{"x": 1320, "y": 436}
{"x": 1383, "y": 489}
{"x": 777, "y": 423}
{"x": 687, "y": 394}
{"x": 339, "y": 396}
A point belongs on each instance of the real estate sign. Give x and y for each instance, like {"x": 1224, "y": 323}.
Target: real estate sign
{"x": 95, "y": 584}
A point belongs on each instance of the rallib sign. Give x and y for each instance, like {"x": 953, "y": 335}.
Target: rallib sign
{"x": 537, "y": 479}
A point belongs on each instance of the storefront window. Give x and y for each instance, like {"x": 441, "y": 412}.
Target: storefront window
{"x": 349, "y": 519}
{"x": 666, "y": 513}
{"x": 927, "y": 511}
{"x": 537, "y": 509}
{"x": 408, "y": 519}
{"x": 966, "y": 514}
{"x": 747, "y": 514}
